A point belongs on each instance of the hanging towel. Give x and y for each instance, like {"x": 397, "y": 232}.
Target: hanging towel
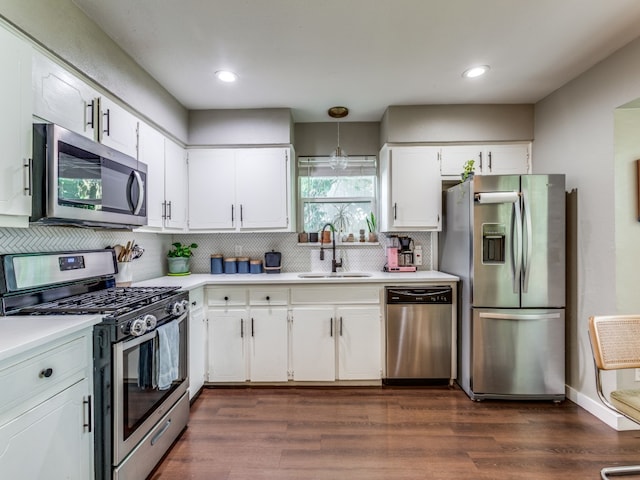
{"x": 146, "y": 365}
{"x": 168, "y": 354}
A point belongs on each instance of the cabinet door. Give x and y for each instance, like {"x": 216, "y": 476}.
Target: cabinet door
{"x": 262, "y": 188}
{"x": 212, "y": 189}
{"x": 175, "y": 186}
{"x": 151, "y": 152}
{"x": 268, "y": 345}
{"x": 508, "y": 159}
{"x": 62, "y": 98}
{"x": 313, "y": 344}
{"x": 453, "y": 158}
{"x": 50, "y": 440}
{"x": 15, "y": 127}
{"x": 415, "y": 185}
{"x": 359, "y": 350}
{"x": 197, "y": 350}
{"x": 118, "y": 128}
{"x": 227, "y": 346}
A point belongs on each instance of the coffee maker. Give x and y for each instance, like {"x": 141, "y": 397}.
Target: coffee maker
{"x": 400, "y": 254}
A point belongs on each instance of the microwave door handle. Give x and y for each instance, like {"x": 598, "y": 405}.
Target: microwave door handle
{"x": 516, "y": 247}
{"x": 138, "y": 206}
{"x": 529, "y": 238}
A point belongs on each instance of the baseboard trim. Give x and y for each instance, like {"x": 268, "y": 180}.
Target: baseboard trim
{"x": 598, "y": 410}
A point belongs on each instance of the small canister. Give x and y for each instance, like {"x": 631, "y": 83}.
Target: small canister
{"x": 216, "y": 264}
{"x": 230, "y": 265}
{"x": 256, "y": 266}
{"x": 243, "y": 264}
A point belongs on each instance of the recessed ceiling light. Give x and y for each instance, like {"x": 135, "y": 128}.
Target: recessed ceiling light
{"x": 475, "y": 71}
{"x": 226, "y": 76}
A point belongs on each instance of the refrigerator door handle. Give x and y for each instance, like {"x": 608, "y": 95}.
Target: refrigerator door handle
{"x": 520, "y": 316}
{"x": 516, "y": 248}
{"x": 529, "y": 249}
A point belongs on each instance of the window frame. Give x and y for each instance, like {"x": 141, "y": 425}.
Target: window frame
{"x": 370, "y": 162}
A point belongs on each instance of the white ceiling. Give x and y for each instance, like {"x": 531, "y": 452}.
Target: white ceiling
{"x": 309, "y": 55}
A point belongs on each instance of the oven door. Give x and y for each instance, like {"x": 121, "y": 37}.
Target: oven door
{"x": 138, "y": 401}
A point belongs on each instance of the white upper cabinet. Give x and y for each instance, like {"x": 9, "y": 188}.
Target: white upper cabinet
{"x": 241, "y": 189}
{"x": 15, "y": 130}
{"x": 118, "y": 128}
{"x": 175, "y": 186}
{"x": 410, "y": 189}
{"x": 62, "y": 98}
{"x": 166, "y": 181}
{"x": 499, "y": 159}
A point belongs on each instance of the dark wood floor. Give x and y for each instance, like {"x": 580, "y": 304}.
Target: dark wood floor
{"x": 389, "y": 433}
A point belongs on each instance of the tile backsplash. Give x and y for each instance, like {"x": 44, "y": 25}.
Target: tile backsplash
{"x": 295, "y": 257}
{"x": 55, "y": 239}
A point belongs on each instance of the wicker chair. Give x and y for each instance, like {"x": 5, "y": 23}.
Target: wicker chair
{"x": 615, "y": 341}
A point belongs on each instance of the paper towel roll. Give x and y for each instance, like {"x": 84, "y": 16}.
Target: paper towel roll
{"x": 497, "y": 197}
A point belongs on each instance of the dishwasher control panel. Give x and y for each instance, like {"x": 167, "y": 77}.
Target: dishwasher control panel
{"x": 428, "y": 295}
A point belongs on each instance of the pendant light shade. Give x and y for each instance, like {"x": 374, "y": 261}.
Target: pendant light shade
{"x": 338, "y": 158}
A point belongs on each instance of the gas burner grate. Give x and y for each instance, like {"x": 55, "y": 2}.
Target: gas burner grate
{"x": 113, "y": 301}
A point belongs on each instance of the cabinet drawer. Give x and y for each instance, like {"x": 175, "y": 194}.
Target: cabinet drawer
{"x": 318, "y": 295}
{"x": 65, "y": 365}
{"x": 196, "y": 299}
{"x": 269, "y": 296}
{"x": 226, "y": 296}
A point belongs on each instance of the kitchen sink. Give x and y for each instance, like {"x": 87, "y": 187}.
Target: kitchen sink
{"x": 334, "y": 275}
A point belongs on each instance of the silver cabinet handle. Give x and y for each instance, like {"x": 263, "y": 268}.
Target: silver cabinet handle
{"x": 252, "y": 329}
{"x": 232, "y": 214}
{"x": 157, "y": 436}
{"x": 241, "y": 328}
{"x": 489, "y": 161}
{"x": 241, "y": 216}
{"x": 480, "y": 157}
{"x": 87, "y": 423}
{"x": 340, "y": 326}
{"x": 169, "y": 210}
{"x": 395, "y": 211}
{"x": 331, "y": 327}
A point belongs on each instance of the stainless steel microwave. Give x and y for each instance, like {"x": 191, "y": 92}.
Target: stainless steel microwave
{"x": 77, "y": 181}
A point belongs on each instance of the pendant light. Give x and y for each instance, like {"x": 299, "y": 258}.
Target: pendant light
{"x": 338, "y": 158}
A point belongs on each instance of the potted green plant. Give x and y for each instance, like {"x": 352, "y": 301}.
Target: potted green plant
{"x": 468, "y": 170}
{"x": 179, "y": 258}
{"x": 373, "y": 227}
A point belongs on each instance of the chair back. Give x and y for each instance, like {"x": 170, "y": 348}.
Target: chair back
{"x": 615, "y": 340}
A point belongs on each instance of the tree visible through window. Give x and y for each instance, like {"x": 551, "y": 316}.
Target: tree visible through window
{"x": 342, "y": 197}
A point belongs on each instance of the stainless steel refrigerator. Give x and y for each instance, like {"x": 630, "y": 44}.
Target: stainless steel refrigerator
{"x": 504, "y": 236}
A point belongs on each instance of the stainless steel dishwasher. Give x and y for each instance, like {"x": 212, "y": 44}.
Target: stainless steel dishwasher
{"x": 418, "y": 335}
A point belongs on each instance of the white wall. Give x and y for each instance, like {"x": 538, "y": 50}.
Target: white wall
{"x": 575, "y": 134}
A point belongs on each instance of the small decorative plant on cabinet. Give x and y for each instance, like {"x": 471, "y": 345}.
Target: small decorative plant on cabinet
{"x": 468, "y": 170}
{"x": 179, "y": 257}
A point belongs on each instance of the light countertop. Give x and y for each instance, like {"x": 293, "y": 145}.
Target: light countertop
{"x": 192, "y": 281}
{"x": 20, "y": 333}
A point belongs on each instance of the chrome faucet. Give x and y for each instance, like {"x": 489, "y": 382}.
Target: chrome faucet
{"x": 334, "y": 264}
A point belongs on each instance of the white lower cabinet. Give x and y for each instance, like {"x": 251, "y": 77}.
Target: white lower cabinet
{"x": 268, "y": 344}
{"x": 197, "y": 341}
{"x": 336, "y": 333}
{"x": 45, "y": 412}
{"x": 247, "y": 334}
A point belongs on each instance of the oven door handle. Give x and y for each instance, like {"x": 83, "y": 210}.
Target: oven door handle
{"x": 147, "y": 336}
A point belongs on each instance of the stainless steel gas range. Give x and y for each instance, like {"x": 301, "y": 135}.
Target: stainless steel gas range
{"x": 140, "y": 350}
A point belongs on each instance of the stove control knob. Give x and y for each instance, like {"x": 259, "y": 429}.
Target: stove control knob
{"x": 178, "y": 308}
{"x": 138, "y": 327}
{"x": 150, "y": 321}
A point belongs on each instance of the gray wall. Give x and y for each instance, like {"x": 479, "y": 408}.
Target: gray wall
{"x": 457, "y": 123}
{"x": 60, "y": 27}
{"x": 576, "y": 134}
{"x": 267, "y": 126}
{"x": 320, "y": 139}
